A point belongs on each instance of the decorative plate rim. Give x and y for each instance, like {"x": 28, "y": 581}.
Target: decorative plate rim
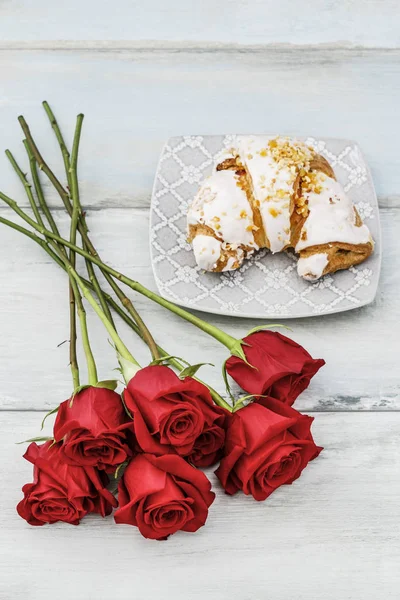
{"x": 254, "y": 315}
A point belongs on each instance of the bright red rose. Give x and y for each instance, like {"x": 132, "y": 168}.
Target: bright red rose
{"x": 62, "y": 492}
{"x": 94, "y": 430}
{"x": 208, "y": 447}
{"x": 170, "y": 414}
{"x": 162, "y": 495}
{"x": 283, "y": 369}
{"x": 268, "y": 444}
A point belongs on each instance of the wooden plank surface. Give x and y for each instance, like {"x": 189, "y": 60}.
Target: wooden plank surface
{"x": 363, "y": 22}
{"x": 361, "y": 347}
{"x": 143, "y": 72}
{"x": 332, "y": 534}
{"x": 135, "y": 99}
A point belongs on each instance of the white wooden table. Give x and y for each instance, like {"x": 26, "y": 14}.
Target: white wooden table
{"x": 204, "y": 67}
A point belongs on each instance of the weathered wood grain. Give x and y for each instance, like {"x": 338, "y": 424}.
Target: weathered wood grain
{"x": 333, "y": 534}
{"x": 368, "y": 22}
{"x": 135, "y": 99}
{"x": 361, "y": 347}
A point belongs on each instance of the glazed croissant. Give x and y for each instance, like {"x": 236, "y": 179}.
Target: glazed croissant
{"x": 276, "y": 193}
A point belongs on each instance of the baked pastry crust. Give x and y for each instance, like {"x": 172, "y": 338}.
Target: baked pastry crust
{"x": 276, "y": 193}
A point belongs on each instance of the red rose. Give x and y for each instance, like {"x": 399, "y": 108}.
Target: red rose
{"x": 208, "y": 447}
{"x": 268, "y": 444}
{"x": 62, "y": 492}
{"x": 169, "y": 414}
{"x": 283, "y": 369}
{"x": 162, "y": 495}
{"x": 94, "y": 429}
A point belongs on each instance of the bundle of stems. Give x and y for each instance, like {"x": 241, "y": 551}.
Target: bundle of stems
{"x": 56, "y": 247}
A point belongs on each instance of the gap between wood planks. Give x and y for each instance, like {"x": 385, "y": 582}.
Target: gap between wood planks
{"x": 188, "y": 46}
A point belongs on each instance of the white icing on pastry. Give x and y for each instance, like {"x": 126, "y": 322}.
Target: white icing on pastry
{"x": 223, "y": 206}
{"x": 273, "y": 165}
{"x": 312, "y": 267}
{"x": 207, "y": 251}
{"x": 331, "y": 217}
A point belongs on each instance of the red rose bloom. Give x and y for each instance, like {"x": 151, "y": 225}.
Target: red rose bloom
{"x": 162, "y": 495}
{"x": 62, "y": 492}
{"x": 94, "y": 430}
{"x": 268, "y": 444}
{"x": 208, "y": 447}
{"x": 283, "y": 369}
{"x": 169, "y": 414}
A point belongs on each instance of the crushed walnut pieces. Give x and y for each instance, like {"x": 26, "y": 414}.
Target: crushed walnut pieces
{"x": 290, "y": 153}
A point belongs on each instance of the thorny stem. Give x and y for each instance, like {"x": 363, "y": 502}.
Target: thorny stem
{"x": 72, "y": 354}
{"x": 120, "y": 346}
{"x": 74, "y": 295}
{"x": 116, "y": 307}
{"x": 91, "y": 364}
{"x": 67, "y": 166}
{"x": 225, "y": 339}
{"x": 73, "y": 288}
{"x": 82, "y": 228}
{"x": 27, "y": 186}
{"x": 60, "y": 139}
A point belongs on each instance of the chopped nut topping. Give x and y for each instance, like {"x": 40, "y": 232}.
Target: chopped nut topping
{"x": 249, "y": 156}
{"x": 243, "y": 214}
{"x": 304, "y": 235}
{"x": 263, "y": 152}
{"x": 217, "y": 226}
{"x": 274, "y": 212}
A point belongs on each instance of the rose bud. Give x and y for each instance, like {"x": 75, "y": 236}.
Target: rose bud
{"x": 279, "y": 366}
{"x": 170, "y": 414}
{"x": 162, "y": 495}
{"x": 268, "y": 444}
{"x": 62, "y": 492}
{"x": 94, "y": 429}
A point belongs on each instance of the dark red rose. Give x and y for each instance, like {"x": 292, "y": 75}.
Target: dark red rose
{"x": 170, "y": 414}
{"x": 208, "y": 447}
{"x": 94, "y": 430}
{"x": 268, "y": 444}
{"x": 283, "y": 369}
{"x": 62, "y": 492}
{"x": 163, "y": 494}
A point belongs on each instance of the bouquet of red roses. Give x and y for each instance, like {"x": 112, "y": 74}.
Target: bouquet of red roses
{"x": 157, "y": 435}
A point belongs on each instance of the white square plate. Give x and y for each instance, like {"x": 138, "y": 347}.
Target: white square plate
{"x": 266, "y": 285}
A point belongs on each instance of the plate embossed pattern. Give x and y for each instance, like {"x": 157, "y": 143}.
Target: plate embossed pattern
{"x": 266, "y": 285}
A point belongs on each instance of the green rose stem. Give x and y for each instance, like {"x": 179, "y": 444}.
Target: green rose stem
{"x": 115, "y": 306}
{"x": 67, "y": 167}
{"x": 54, "y": 228}
{"x": 119, "y": 344}
{"x": 82, "y": 228}
{"x": 76, "y": 304}
{"x": 234, "y": 345}
{"x": 76, "y": 296}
